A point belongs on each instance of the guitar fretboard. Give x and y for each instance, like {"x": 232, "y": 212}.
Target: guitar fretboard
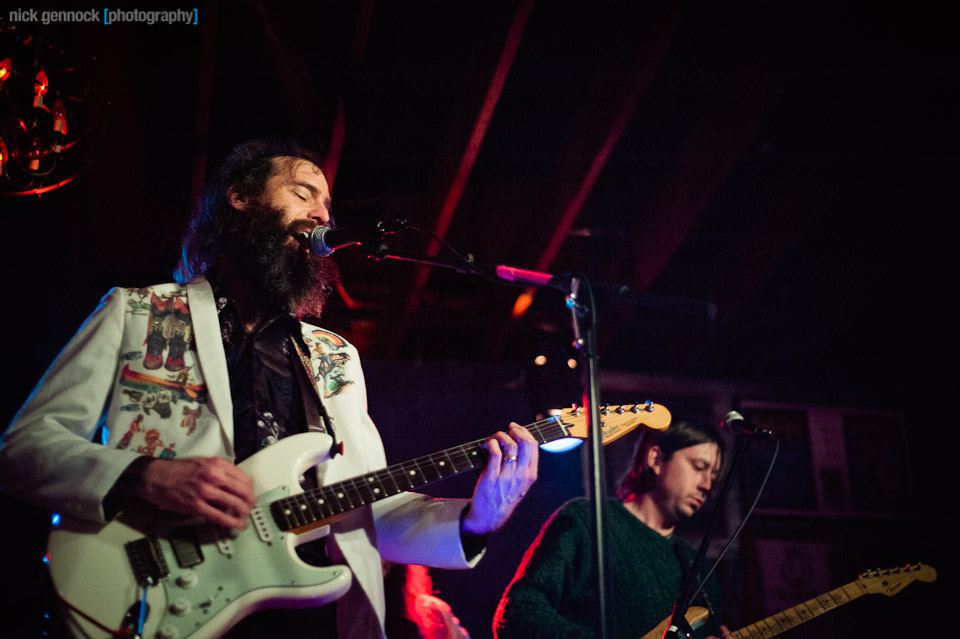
{"x": 779, "y": 623}
{"x": 317, "y": 504}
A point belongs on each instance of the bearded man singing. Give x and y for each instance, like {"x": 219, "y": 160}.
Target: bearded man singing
{"x": 166, "y": 388}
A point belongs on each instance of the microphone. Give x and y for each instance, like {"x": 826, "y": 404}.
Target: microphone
{"x": 735, "y": 423}
{"x": 325, "y": 240}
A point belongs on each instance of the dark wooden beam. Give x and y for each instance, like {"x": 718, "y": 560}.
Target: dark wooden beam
{"x": 455, "y": 188}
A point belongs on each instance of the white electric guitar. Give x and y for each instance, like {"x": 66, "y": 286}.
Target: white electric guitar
{"x": 158, "y": 575}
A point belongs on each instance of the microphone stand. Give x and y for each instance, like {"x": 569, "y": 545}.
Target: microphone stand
{"x": 583, "y": 315}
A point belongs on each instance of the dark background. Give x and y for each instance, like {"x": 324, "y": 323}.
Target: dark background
{"x": 792, "y": 165}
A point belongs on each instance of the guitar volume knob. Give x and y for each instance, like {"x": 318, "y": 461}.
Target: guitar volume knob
{"x": 188, "y": 579}
{"x": 167, "y": 632}
{"x": 180, "y": 607}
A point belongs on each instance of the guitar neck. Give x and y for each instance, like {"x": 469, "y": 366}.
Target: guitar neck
{"x": 779, "y": 623}
{"x": 877, "y": 582}
{"x": 313, "y": 507}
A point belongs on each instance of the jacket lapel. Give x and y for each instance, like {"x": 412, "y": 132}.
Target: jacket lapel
{"x": 213, "y": 361}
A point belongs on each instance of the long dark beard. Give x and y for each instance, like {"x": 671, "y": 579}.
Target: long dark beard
{"x": 280, "y": 276}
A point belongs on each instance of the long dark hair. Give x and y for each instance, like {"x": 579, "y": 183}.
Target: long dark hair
{"x": 245, "y": 170}
{"x": 682, "y": 433}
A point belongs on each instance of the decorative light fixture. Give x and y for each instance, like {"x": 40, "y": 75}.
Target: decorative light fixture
{"x": 3, "y": 157}
{"x": 39, "y": 86}
{"x": 4, "y": 70}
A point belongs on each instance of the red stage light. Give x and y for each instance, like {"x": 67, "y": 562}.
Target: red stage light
{"x": 3, "y": 156}
{"x": 40, "y": 86}
{"x": 5, "y": 66}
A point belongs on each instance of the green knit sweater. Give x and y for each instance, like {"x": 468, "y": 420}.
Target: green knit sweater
{"x": 551, "y": 596}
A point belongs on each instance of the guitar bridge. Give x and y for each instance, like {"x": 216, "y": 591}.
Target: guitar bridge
{"x": 146, "y": 560}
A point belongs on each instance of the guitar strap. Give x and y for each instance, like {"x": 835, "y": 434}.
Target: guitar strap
{"x": 316, "y": 409}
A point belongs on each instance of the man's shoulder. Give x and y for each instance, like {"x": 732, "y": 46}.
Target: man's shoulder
{"x": 580, "y": 509}
{"x": 578, "y": 513}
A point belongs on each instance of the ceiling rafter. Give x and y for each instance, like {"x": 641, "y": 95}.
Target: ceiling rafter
{"x": 604, "y": 114}
{"x": 454, "y": 191}
{"x": 358, "y": 46}
{"x": 700, "y": 168}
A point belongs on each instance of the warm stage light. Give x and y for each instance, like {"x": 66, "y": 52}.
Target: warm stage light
{"x": 5, "y": 66}
{"x": 540, "y": 360}
{"x": 36, "y": 155}
{"x": 40, "y": 86}
{"x": 36, "y": 150}
{"x": 59, "y": 124}
{"x": 523, "y": 303}
{"x": 59, "y": 117}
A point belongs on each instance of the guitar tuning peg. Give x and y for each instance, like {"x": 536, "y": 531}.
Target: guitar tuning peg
{"x": 619, "y": 410}
{"x": 605, "y": 409}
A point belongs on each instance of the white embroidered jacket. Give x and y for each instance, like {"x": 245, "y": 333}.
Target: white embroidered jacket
{"x": 148, "y": 368}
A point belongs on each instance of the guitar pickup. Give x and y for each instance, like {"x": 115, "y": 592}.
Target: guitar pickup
{"x": 185, "y": 547}
{"x": 146, "y": 560}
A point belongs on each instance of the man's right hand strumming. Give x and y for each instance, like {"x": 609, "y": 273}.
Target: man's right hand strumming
{"x": 208, "y": 487}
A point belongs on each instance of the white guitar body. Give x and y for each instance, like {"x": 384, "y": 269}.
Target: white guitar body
{"x": 233, "y": 575}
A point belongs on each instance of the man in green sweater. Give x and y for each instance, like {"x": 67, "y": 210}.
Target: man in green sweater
{"x": 551, "y": 595}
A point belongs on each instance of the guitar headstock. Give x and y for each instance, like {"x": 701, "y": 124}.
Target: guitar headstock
{"x": 891, "y": 581}
{"x": 617, "y": 421}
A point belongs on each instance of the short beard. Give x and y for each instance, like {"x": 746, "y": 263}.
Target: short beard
{"x": 263, "y": 260}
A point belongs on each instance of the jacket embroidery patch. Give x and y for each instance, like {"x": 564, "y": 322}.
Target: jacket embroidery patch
{"x": 169, "y": 332}
{"x": 153, "y": 444}
{"x": 133, "y": 430}
{"x": 138, "y": 301}
{"x": 171, "y": 388}
{"x": 190, "y": 417}
{"x": 329, "y": 363}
